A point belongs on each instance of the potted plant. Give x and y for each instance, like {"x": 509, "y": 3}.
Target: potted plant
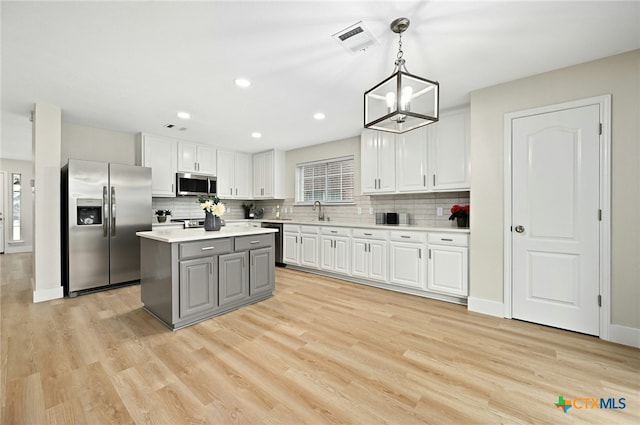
{"x": 162, "y": 215}
{"x": 461, "y": 214}
{"x": 213, "y": 210}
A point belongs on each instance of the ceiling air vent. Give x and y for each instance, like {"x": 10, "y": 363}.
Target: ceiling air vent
{"x": 355, "y": 38}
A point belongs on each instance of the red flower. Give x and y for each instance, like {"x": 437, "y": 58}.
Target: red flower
{"x": 459, "y": 211}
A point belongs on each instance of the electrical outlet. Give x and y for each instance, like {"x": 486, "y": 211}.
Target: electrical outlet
{"x": 439, "y": 212}
{"x": 359, "y": 210}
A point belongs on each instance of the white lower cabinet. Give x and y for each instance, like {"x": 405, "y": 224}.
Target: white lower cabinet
{"x": 301, "y": 245}
{"x": 290, "y": 250}
{"x": 369, "y": 256}
{"x": 448, "y": 264}
{"x": 419, "y": 262}
{"x": 407, "y": 259}
{"x": 335, "y": 249}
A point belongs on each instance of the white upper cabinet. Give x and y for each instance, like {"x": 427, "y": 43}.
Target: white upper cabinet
{"x": 234, "y": 175}
{"x": 242, "y": 175}
{"x": 377, "y": 150}
{"x": 268, "y": 175}
{"x": 427, "y": 159}
{"x": 412, "y": 161}
{"x": 159, "y": 153}
{"x": 449, "y": 152}
{"x": 196, "y": 158}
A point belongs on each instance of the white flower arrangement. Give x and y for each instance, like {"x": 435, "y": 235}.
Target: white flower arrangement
{"x": 213, "y": 206}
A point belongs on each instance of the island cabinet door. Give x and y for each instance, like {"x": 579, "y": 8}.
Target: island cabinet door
{"x": 262, "y": 274}
{"x": 198, "y": 280}
{"x": 233, "y": 279}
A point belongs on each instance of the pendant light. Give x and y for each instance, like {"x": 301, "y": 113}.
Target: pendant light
{"x": 403, "y": 101}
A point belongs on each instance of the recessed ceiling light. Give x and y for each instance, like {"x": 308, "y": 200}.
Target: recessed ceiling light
{"x": 319, "y": 116}
{"x": 256, "y": 135}
{"x": 183, "y": 115}
{"x": 242, "y": 82}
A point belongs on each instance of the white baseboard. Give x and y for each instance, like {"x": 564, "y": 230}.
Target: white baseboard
{"x": 48, "y": 294}
{"x": 624, "y": 335}
{"x": 489, "y": 307}
{"x": 17, "y": 249}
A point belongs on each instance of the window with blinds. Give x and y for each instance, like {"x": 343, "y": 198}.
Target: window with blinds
{"x": 329, "y": 181}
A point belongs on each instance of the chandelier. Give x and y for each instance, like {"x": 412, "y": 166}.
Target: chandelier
{"x": 403, "y": 101}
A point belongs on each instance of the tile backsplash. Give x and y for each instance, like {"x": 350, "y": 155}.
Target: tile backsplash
{"x": 188, "y": 207}
{"x": 421, "y": 207}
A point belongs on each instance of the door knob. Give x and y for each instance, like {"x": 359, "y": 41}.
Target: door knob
{"x": 519, "y": 229}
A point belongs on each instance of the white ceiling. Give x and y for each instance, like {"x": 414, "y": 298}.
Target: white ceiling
{"x": 130, "y": 66}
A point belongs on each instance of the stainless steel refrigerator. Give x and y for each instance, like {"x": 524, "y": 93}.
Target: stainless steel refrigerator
{"x": 103, "y": 206}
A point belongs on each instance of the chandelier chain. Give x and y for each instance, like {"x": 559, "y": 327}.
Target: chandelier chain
{"x": 400, "y": 52}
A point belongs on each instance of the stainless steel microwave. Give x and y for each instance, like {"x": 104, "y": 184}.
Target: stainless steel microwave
{"x": 195, "y": 184}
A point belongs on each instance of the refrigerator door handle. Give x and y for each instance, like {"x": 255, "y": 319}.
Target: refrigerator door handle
{"x": 113, "y": 211}
{"x": 105, "y": 207}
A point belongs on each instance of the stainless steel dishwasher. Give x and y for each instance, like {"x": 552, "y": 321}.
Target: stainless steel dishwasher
{"x": 279, "y": 240}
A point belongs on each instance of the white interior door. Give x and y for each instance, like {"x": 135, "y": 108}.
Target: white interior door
{"x": 2, "y": 215}
{"x": 555, "y": 217}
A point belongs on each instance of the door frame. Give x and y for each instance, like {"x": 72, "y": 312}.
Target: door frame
{"x": 604, "y": 102}
{"x": 3, "y": 208}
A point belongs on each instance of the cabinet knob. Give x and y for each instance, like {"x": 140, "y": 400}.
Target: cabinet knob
{"x": 519, "y": 228}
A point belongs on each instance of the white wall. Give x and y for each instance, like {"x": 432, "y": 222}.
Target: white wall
{"x": 46, "y": 173}
{"x": 95, "y": 144}
{"x": 618, "y": 75}
{"x": 25, "y": 168}
{"x": 336, "y": 149}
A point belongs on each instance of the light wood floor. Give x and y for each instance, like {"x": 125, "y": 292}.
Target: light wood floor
{"x": 319, "y": 351}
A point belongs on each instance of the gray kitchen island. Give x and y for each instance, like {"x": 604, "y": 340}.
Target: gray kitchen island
{"x": 190, "y": 275}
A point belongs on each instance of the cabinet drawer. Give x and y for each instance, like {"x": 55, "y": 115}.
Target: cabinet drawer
{"x": 417, "y": 237}
{"x": 336, "y": 231}
{"x": 314, "y": 230}
{"x": 291, "y": 228}
{"x": 370, "y": 234}
{"x": 244, "y": 243}
{"x": 456, "y": 239}
{"x": 205, "y": 248}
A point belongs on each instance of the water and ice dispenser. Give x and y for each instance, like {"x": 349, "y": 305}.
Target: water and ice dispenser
{"x": 89, "y": 211}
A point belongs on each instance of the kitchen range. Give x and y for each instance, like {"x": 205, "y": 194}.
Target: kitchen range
{"x": 189, "y": 223}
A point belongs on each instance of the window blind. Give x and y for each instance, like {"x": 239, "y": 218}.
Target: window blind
{"x": 328, "y": 181}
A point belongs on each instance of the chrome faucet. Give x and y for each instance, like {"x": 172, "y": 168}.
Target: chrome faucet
{"x": 320, "y": 213}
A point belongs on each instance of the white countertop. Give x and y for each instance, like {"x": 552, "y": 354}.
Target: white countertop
{"x": 240, "y": 227}
{"x": 365, "y": 226}
{"x": 172, "y": 234}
